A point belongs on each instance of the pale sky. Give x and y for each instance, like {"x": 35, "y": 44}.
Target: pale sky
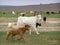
{"x": 27, "y": 2}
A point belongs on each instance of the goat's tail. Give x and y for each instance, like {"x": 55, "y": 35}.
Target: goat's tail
{"x": 10, "y": 24}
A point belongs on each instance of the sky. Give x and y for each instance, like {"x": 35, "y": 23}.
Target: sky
{"x": 27, "y": 2}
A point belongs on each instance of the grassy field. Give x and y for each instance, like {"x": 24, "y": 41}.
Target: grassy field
{"x": 9, "y": 14}
{"x": 51, "y": 15}
{"x": 45, "y": 38}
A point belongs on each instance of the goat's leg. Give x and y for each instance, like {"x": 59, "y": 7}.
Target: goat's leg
{"x": 30, "y": 30}
{"x": 8, "y": 36}
{"x": 21, "y": 37}
{"x": 12, "y": 36}
{"x": 36, "y": 30}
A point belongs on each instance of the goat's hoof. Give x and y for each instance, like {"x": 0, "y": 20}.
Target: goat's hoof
{"x": 6, "y": 39}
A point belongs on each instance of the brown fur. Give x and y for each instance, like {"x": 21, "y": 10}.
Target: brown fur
{"x": 20, "y": 31}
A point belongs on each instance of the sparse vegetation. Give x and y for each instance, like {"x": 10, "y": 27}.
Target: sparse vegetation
{"x": 47, "y": 14}
{"x": 45, "y": 38}
{"x": 52, "y": 12}
{"x": 59, "y": 12}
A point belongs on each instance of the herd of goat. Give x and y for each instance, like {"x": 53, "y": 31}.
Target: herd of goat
{"x": 24, "y": 23}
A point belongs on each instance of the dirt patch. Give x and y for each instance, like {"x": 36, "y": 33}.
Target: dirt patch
{"x": 4, "y": 20}
{"x": 53, "y": 19}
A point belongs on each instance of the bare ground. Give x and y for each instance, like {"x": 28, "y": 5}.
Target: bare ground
{"x": 45, "y": 26}
{"x": 3, "y": 19}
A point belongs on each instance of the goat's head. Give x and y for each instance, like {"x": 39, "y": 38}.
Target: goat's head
{"x": 27, "y": 27}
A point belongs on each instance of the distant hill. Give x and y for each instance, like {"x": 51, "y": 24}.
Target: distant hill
{"x": 41, "y": 7}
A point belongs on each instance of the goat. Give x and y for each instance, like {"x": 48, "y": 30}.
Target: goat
{"x": 23, "y": 20}
{"x": 17, "y": 31}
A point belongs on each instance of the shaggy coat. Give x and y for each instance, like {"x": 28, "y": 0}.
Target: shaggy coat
{"x": 19, "y": 31}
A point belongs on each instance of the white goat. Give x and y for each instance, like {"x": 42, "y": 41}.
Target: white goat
{"x": 29, "y": 21}
{"x": 13, "y": 12}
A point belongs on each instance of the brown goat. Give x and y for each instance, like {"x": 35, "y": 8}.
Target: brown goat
{"x": 20, "y": 31}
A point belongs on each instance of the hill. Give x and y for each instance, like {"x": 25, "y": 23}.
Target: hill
{"x": 41, "y": 7}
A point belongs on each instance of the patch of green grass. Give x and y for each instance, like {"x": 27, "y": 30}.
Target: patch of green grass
{"x": 44, "y": 38}
{"x": 51, "y": 15}
{"x": 9, "y": 14}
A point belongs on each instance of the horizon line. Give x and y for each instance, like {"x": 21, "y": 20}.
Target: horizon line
{"x": 28, "y": 5}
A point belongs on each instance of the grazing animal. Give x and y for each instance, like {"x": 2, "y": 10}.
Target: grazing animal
{"x": 17, "y": 31}
{"x": 29, "y": 21}
{"x": 23, "y": 14}
{"x": 44, "y": 19}
{"x": 13, "y": 12}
